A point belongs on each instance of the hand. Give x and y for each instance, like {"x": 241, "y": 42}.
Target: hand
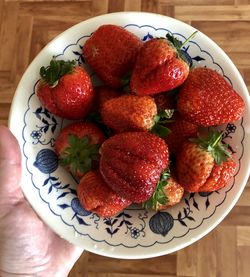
{"x": 27, "y": 246}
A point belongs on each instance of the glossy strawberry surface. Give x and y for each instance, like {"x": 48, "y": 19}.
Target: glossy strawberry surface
{"x": 71, "y": 97}
{"x": 96, "y": 196}
{"x": 220, "y": 176}
{"x": 158, "y": 68}
{"x": 173, "y": 192}
{"x": 204, "y": 163}
{"x": 78, "y": 152}
{"x": 207, "y": 99}
{"x": 129, "y": 113}
{"x": 193, "y": 166}
{"x": 111, "y": 51}
{"x": 131, "y": 164}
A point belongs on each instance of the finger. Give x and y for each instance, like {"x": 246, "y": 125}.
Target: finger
{"x": 10, "y": 167}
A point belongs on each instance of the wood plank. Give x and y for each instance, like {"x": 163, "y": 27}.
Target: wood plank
{"x": 187, "y": 261}
{"x": 80, "y": 269}
{"x": 161, "y": 265}
{"x": 6, "y": 93}
{"x": 243, "y": 264}
{"x": 206, "y": 262}
{"x": 217, "y": 13}
{"x": 7, "y": 37}
{"x": 244, "y": 199}
{"x": 132, "y": 5}
{"x": 243, "y": 235}
{"x": 227, "y": 35}
{"x": 21, "y": 62}
{"x": 226, "y": 255}
{"x": 238, "y": 216}
{"x": 4, "y": 111}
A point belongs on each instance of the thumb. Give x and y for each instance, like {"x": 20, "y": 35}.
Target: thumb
{"x": 10, "y": 168}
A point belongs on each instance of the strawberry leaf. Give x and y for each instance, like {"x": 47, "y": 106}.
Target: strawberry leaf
{"x": 158, "y": 198}
{"x": 160, "y": 130}
{"x": 79, "y": 155}
{"x": 57, "y": 68}
{"x": 212, "y": 144}
{"x": 164, "y": 116}
{"x": 178, "y": 45}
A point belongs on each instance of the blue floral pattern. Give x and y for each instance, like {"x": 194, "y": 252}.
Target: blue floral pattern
{"x": 136, "y": 226}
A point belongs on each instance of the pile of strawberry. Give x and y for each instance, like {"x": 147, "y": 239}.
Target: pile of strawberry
{"x": 139, "y": 138}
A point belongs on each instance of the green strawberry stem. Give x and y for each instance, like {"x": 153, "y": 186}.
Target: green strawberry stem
{"x": 79, "y": 155}
{"x": 189, "y": 38}
{"x": 217, "y": 140}
{"x": 212, "y": 143}
{"x": 158, "y": 198}
{"x": 162, "y": 117}
{"x": 57, "y": 68}
{"x": 178, "y": 45}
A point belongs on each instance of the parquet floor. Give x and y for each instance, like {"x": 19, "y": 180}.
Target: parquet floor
{"x": 26, "y": 26}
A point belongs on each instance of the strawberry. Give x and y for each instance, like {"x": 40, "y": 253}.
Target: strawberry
{"x": 129, "y": 113}
{"x": 133, "y": 113}
{"x": 111, "y": 51}
{"x": 219, "y": 176}
{"x": 204, "y": 163}
{"x": 167, "y": 193}
{"x": 207, "y": 99}
{"x": 77, "y": 146}
{"x": 180, "y": 131}
{"x": 131, "y": 164}
{"x": 160, "y": 66}
{"x": 65, "y": 89}
{"x": 96, "y": 196}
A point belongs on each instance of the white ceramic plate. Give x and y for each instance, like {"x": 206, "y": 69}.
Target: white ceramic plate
{"x": 134, "y": 233}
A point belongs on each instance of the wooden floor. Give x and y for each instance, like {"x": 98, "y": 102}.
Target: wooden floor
{"x": 28, "y": 25}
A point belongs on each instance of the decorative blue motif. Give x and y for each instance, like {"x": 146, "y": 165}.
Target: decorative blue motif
{"x": 148, "y": 36}
{"x": 78, "y": 208}
{"x": 134, "y": 223}
{"x": 161, "y": 223}
{"x": 79, "y": 211}
{"x": 46, "y": 161}
{"x": 206, "y": 195}
{"x": 125, "y": 221}
{"x": 47, "y": 123}
{"x": 230, "y": 129}
{"x": 80, "y": 59}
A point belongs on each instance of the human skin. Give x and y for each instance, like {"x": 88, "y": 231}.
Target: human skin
{"x": 27, "y": 246}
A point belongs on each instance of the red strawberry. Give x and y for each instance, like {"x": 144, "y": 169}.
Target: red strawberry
{"x": 204, "y": 164}
{"x": 129, "y": 113}
{"x": 111, "y": 51}
{"x": 159, "y": 67}
{"x": 219, "y": 176}
{"x": 77, "y": 146}
{"x": 131, "y": 164}
{"x": 167, "y": 193}
{"x": 134, "y": 113}
{"x": 96, "y": 196}
{"x": 180, "y": 131}
{"x": 65, "y": 89}
{"x": 207, "y": 99}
